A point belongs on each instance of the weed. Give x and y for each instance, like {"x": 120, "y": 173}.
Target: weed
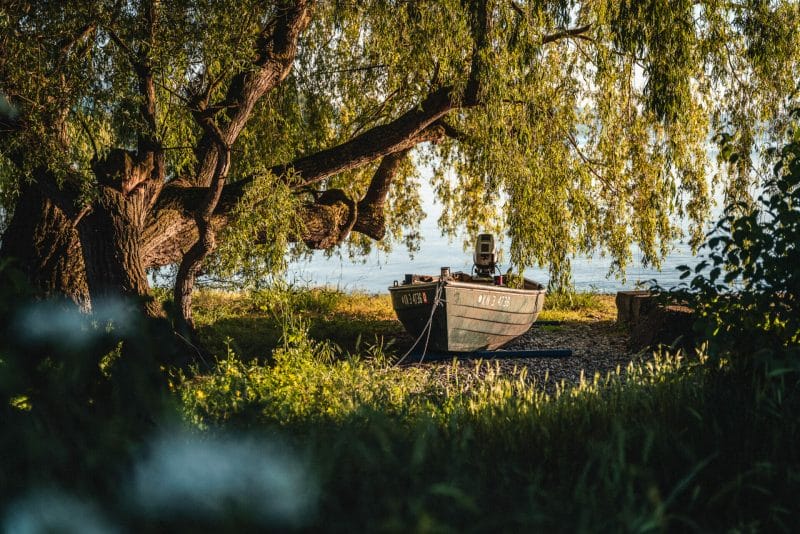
{"x": 251, "y": 322}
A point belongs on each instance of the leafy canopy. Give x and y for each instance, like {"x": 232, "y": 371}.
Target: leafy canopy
{"x": 592, "y": 130}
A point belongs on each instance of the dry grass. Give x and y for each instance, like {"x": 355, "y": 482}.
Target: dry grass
{"x": 598, "y": 308}
{"x": 251, "y": 323}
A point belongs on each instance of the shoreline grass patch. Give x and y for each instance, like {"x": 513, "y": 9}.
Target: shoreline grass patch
{"x": 251, "y": 323}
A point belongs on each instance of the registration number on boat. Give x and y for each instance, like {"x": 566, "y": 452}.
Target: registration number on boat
{"x": 494, "y": 301}
{"x": 411, "y": 299}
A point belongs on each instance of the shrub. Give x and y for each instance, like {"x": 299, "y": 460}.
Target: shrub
{"x": 747, "y": 293}
{"x": 77, "y": 391}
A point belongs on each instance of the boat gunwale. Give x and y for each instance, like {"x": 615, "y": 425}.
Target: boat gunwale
{"x": 469, "y": 285}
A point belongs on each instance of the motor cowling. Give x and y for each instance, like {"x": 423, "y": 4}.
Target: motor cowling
{"x": 485, "y": 255}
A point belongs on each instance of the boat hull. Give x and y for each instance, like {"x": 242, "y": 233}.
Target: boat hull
{"x": 469, "y": 316}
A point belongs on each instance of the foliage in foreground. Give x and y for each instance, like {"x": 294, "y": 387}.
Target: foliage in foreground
{"x": 328, "y": 438}
{"x": 666, "y": 444}
{"x": 314, "y": 441}
{"x": 747, "y": 295}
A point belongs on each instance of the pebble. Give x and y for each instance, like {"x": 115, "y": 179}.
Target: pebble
{"x": 598, "y": 346}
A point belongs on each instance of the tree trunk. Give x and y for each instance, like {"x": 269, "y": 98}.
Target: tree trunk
{"x": 111, "y": 241}
{"x": 87, "y": 256}
{"x": 42, "y": 242}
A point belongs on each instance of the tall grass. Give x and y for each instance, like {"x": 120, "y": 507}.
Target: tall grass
{"x": 571, "y": 300}
{"x": 317, "y": 435}
{"x": 667, "y": 444}
{"x": 252, "y": 323}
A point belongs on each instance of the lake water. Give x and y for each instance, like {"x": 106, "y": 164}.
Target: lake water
{"x": 378, "y": 270}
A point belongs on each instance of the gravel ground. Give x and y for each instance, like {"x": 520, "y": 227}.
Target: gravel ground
{"x": 598, "y": 346}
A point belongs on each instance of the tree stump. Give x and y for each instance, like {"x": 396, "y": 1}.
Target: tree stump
{"x": 631, "y": 304}
{"x": 651, "y": 323}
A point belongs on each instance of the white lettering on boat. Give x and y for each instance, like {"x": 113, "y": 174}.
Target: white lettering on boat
{"x": 412, "y": 299}
{"x": 494, "y": 301}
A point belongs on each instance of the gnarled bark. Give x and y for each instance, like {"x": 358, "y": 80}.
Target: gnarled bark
{"x": 43, "y": 243}
{"x": 329, "y": 220}
{"x": 110, "y": 232}
{"x": 111, "y": 237}
{"x": 275, "y": 53}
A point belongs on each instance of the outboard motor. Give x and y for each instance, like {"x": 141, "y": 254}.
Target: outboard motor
{"x": 485, "y": 256}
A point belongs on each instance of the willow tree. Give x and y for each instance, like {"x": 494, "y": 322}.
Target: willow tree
{"x": 208, "y": 135}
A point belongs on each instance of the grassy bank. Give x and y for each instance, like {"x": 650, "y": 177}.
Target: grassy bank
{"x": 252, "y": 324}
{"x": 673, "y": 444}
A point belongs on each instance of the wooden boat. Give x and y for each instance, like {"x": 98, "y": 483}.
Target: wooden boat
{"x": 465, "y": 313}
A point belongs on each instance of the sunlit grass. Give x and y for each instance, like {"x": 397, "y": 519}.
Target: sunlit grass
{"x": 581, "y": 306}
{"x": 308, "y": 377}
{"x": 251, "y": 322}
{"x": 406, "y": 447}
{"x": 667, "y": 443}
{"x": 307, "y": 381}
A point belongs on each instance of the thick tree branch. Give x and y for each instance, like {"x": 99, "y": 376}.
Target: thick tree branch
{"x": 329, "y": 220}
{"x": 371, "y": 219}
{"x": 276, "y": 51}
{"x": 171, "y": 228}
{"x": 275, "y": 56}
{"x": 206, "y": 241}
{"x": 481, "y": 28}
{"x": 408, "y": 130}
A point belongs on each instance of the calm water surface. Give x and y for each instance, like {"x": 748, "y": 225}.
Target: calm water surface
{"x": 380, "y": 270}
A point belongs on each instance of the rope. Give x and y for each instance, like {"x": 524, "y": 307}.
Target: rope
{"x": 199, "y": 352}
{"x": 426, "y": 331}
